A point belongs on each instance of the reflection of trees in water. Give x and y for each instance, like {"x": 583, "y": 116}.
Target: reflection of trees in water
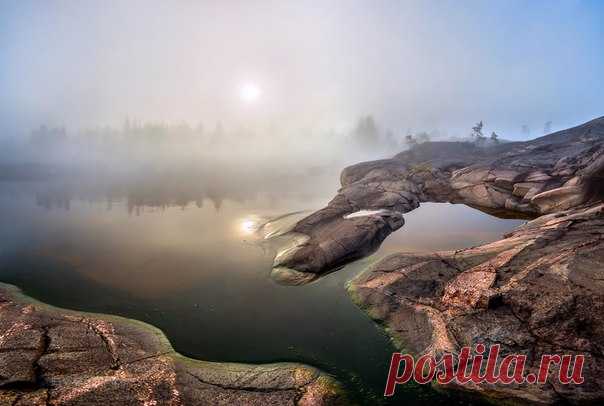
{"x": 177, "y": 194}
{"x": 136, "y": 196}
{"x": 174, "y": 189}
{"x": 54, "y": 200}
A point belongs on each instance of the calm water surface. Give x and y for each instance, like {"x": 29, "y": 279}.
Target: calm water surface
{"x": 193, "y": 269}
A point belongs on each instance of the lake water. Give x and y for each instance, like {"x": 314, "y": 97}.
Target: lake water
{"x": 189, "y": 265}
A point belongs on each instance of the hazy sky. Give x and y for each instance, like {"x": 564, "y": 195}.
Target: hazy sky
{"x": 418, "y": 65}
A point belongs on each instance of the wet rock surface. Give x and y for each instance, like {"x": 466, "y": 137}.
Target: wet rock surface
{"x": 51, "y": 356}
{"x": 539, "y": 290}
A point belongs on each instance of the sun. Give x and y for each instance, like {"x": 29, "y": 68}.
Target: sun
{"x": 249, "y": 92}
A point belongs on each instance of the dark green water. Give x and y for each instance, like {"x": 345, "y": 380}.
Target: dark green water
{"x": 195, "y": 271}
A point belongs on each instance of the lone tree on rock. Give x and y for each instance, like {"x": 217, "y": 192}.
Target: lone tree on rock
{"x": 494, "y": 137}
{"x": 477, "y": 133}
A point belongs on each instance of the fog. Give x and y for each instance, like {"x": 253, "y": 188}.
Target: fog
{"x": 124, "y": 84}
{"x": 153, "y": 154}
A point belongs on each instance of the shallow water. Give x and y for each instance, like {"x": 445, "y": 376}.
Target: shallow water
{"x": 200, "y": 274}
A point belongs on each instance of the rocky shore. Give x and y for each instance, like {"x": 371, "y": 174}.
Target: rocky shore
{"x": 51, "y": 356}
{"x": 539, "y": 290}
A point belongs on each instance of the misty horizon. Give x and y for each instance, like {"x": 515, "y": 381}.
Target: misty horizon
{"x": 252, "y": 202}
{"x": 308, "y": 66}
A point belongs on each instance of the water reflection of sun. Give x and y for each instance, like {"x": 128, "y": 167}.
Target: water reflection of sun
{"x": 248, "y": 226}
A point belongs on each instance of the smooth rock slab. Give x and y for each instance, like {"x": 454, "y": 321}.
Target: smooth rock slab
{"x": 51, "y": 356}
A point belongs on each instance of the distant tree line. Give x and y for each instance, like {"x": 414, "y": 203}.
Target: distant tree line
{"x": 367, "y": 135}
{"x": 144, "y": 139}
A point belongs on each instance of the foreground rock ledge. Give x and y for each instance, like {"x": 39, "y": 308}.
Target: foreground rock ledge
{"x": 51, "y": 356}
{"x": 540, "y": 290}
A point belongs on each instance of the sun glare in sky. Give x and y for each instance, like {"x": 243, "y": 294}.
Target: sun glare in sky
{"x": 249, "y": 92}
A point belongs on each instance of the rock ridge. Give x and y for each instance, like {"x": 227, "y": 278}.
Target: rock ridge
{"x": 539, "y": 290}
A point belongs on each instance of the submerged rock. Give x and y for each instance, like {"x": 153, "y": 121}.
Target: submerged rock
{"x": 52, "y": 356}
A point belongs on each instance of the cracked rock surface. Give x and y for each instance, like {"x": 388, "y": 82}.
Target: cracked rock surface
{"x": 51, "y": 356}
{"x": 539, "y": 290}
